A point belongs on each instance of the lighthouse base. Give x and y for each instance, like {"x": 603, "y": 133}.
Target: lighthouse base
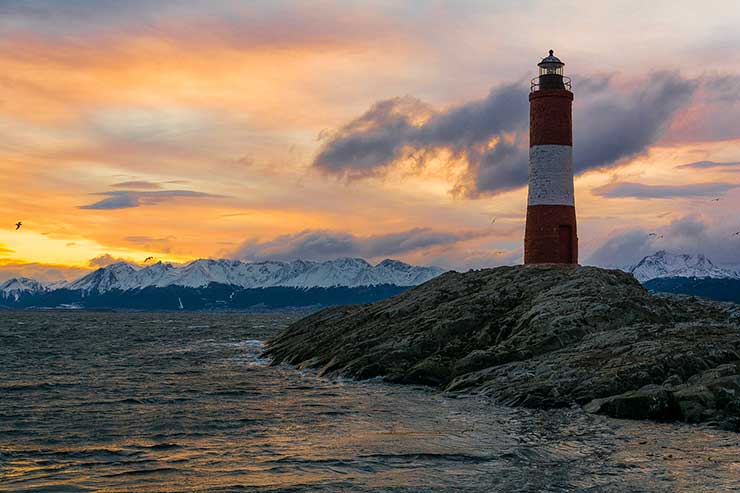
{"x": 551, "y": 236}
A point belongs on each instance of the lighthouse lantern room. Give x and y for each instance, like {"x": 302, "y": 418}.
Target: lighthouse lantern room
{"x": 550, "y": 235}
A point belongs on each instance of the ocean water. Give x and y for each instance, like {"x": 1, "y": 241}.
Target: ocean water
{"x": 183, "y": 402}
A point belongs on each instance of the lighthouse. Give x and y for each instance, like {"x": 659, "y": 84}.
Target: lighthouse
{"x": 550, "y": 235}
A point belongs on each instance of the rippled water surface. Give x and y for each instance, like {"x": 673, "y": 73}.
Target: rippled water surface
{"x": 183, "y": 402}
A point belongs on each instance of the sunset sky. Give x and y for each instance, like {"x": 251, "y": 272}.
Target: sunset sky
{"x": 279, "y": 130}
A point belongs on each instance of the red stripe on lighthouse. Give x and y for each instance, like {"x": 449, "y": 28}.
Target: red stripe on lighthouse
{"x": 551, "y": 234}
{"x": 550, "y": 118}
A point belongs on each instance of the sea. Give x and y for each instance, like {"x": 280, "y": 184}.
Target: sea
{"x": 165, "y": 402}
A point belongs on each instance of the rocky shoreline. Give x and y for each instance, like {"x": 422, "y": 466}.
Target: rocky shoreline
{"x": 538, "y": 336}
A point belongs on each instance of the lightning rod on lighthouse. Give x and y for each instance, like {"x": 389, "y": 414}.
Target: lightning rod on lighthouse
{"x": 550, "y": 235}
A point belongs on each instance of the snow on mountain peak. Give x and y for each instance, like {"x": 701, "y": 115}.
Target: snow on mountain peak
{"x": 349, "y": 272}
{"x": 15, "y": 287}
{"x": 667, "y": 264}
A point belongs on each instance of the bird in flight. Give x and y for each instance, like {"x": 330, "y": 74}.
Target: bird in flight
{"x": 148, "y": 259}
{"x": 653, "y": 234}
{"x": 18, "y": 225}
{"x": 717, "y": 199}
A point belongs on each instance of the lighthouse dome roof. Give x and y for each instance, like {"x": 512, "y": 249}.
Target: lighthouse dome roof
{"x": 551, "y": 60}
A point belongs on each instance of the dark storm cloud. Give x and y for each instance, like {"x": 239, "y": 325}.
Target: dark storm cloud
{"x": 325, "y": 245}
{"x": 715, "y": 112}
{"x": 711, "y": 164}
{"x": 609, "y": 126}
{"x": 125, "y": 199}
{"x": 690, "y": 234}
{"x": 640, "y": 191}
{"x": 373, "y": 140}
{"x": 722, "y": 88}
{"x": 387, "y": 133}
{"x": 624, "y": 249}
{"x": 491, "y": 134}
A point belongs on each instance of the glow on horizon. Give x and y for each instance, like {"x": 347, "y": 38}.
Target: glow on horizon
{"x": 205, "y": 118}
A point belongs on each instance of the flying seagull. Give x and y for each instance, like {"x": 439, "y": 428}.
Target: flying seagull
{"x": 717, "y": 199}
{"x": 148, "y": 259}
{"x": 18, "y": 225}
{"x": 493, "y": 218}
{"x": 653, "y": 234}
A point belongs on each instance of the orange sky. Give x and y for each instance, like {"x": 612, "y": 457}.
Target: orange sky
{"x": 204, "y": 120}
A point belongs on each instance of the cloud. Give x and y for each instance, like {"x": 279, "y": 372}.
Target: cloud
{"x": 714, "y": 112}
{"x": 105, "y": 260}
{"x": 324, "y": 245}
{"x": 4, "y": 250}
{"x": 150, "y": 242}
{"x": 612, "y": 124}
{"x": 463, "y": 259}
{"x": 39, "y": 271}
{"x": 490, "y": 135}
{"x": 623, "y": 249}
{"x": 688, "y": 234}
{"x": 125, "y": 199}
{"x": 145, "y": 185}
{"x": 711, "y": 164}
{"x": 147, "y": 239}
{"x": 404, "y": 128}
{"x": 641, "y": 191}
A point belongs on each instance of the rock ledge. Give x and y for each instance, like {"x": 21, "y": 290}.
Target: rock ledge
{"x": 538, "y": 336}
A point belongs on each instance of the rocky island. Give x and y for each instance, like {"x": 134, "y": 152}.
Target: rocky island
{"x": 541, "y": 336}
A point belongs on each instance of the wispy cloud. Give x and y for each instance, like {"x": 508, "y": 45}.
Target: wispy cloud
{"x": 323, "y": 245}
{"x": 642, "y": 191}
{"x": 142, "y": 185}
{"x": 712, "y": 165}
{"x": 39, "y": 271}
{"x": 125, "y": 199}
{"x": 688, "y": 234}
{"x": 105, "y": 260}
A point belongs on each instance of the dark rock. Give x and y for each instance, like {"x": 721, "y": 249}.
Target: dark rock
{"x": 649, "y": 402}
{"x": 538, "y": 336}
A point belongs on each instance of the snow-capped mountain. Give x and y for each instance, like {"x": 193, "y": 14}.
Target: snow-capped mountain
{"x": 348, "y": 272}
{"x": 14, "y": 288}
{"x": 664, "y": 264}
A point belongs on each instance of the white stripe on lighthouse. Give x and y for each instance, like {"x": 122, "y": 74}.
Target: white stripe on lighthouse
{"x": 551, "y": 175}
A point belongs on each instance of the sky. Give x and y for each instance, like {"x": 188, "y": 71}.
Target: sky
{"x": 280, "y": 130}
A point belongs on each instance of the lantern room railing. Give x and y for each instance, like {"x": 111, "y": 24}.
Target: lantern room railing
{"x": 536, "y": 84}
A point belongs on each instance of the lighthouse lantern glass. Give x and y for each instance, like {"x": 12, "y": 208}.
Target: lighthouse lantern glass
{"x": 551, "y": 69}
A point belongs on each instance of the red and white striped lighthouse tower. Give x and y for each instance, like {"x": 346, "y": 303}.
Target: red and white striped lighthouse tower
{"x": 550, "y": 235}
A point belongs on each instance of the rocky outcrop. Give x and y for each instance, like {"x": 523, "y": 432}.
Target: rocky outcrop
{"x": 538, "y": 336}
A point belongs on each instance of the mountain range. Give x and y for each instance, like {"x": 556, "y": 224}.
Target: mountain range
{"x": 232, "y": 284}
{"x": 295, "y": 283}
{"x": 664, "y": 264}
{"x": 694, "y": 275}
